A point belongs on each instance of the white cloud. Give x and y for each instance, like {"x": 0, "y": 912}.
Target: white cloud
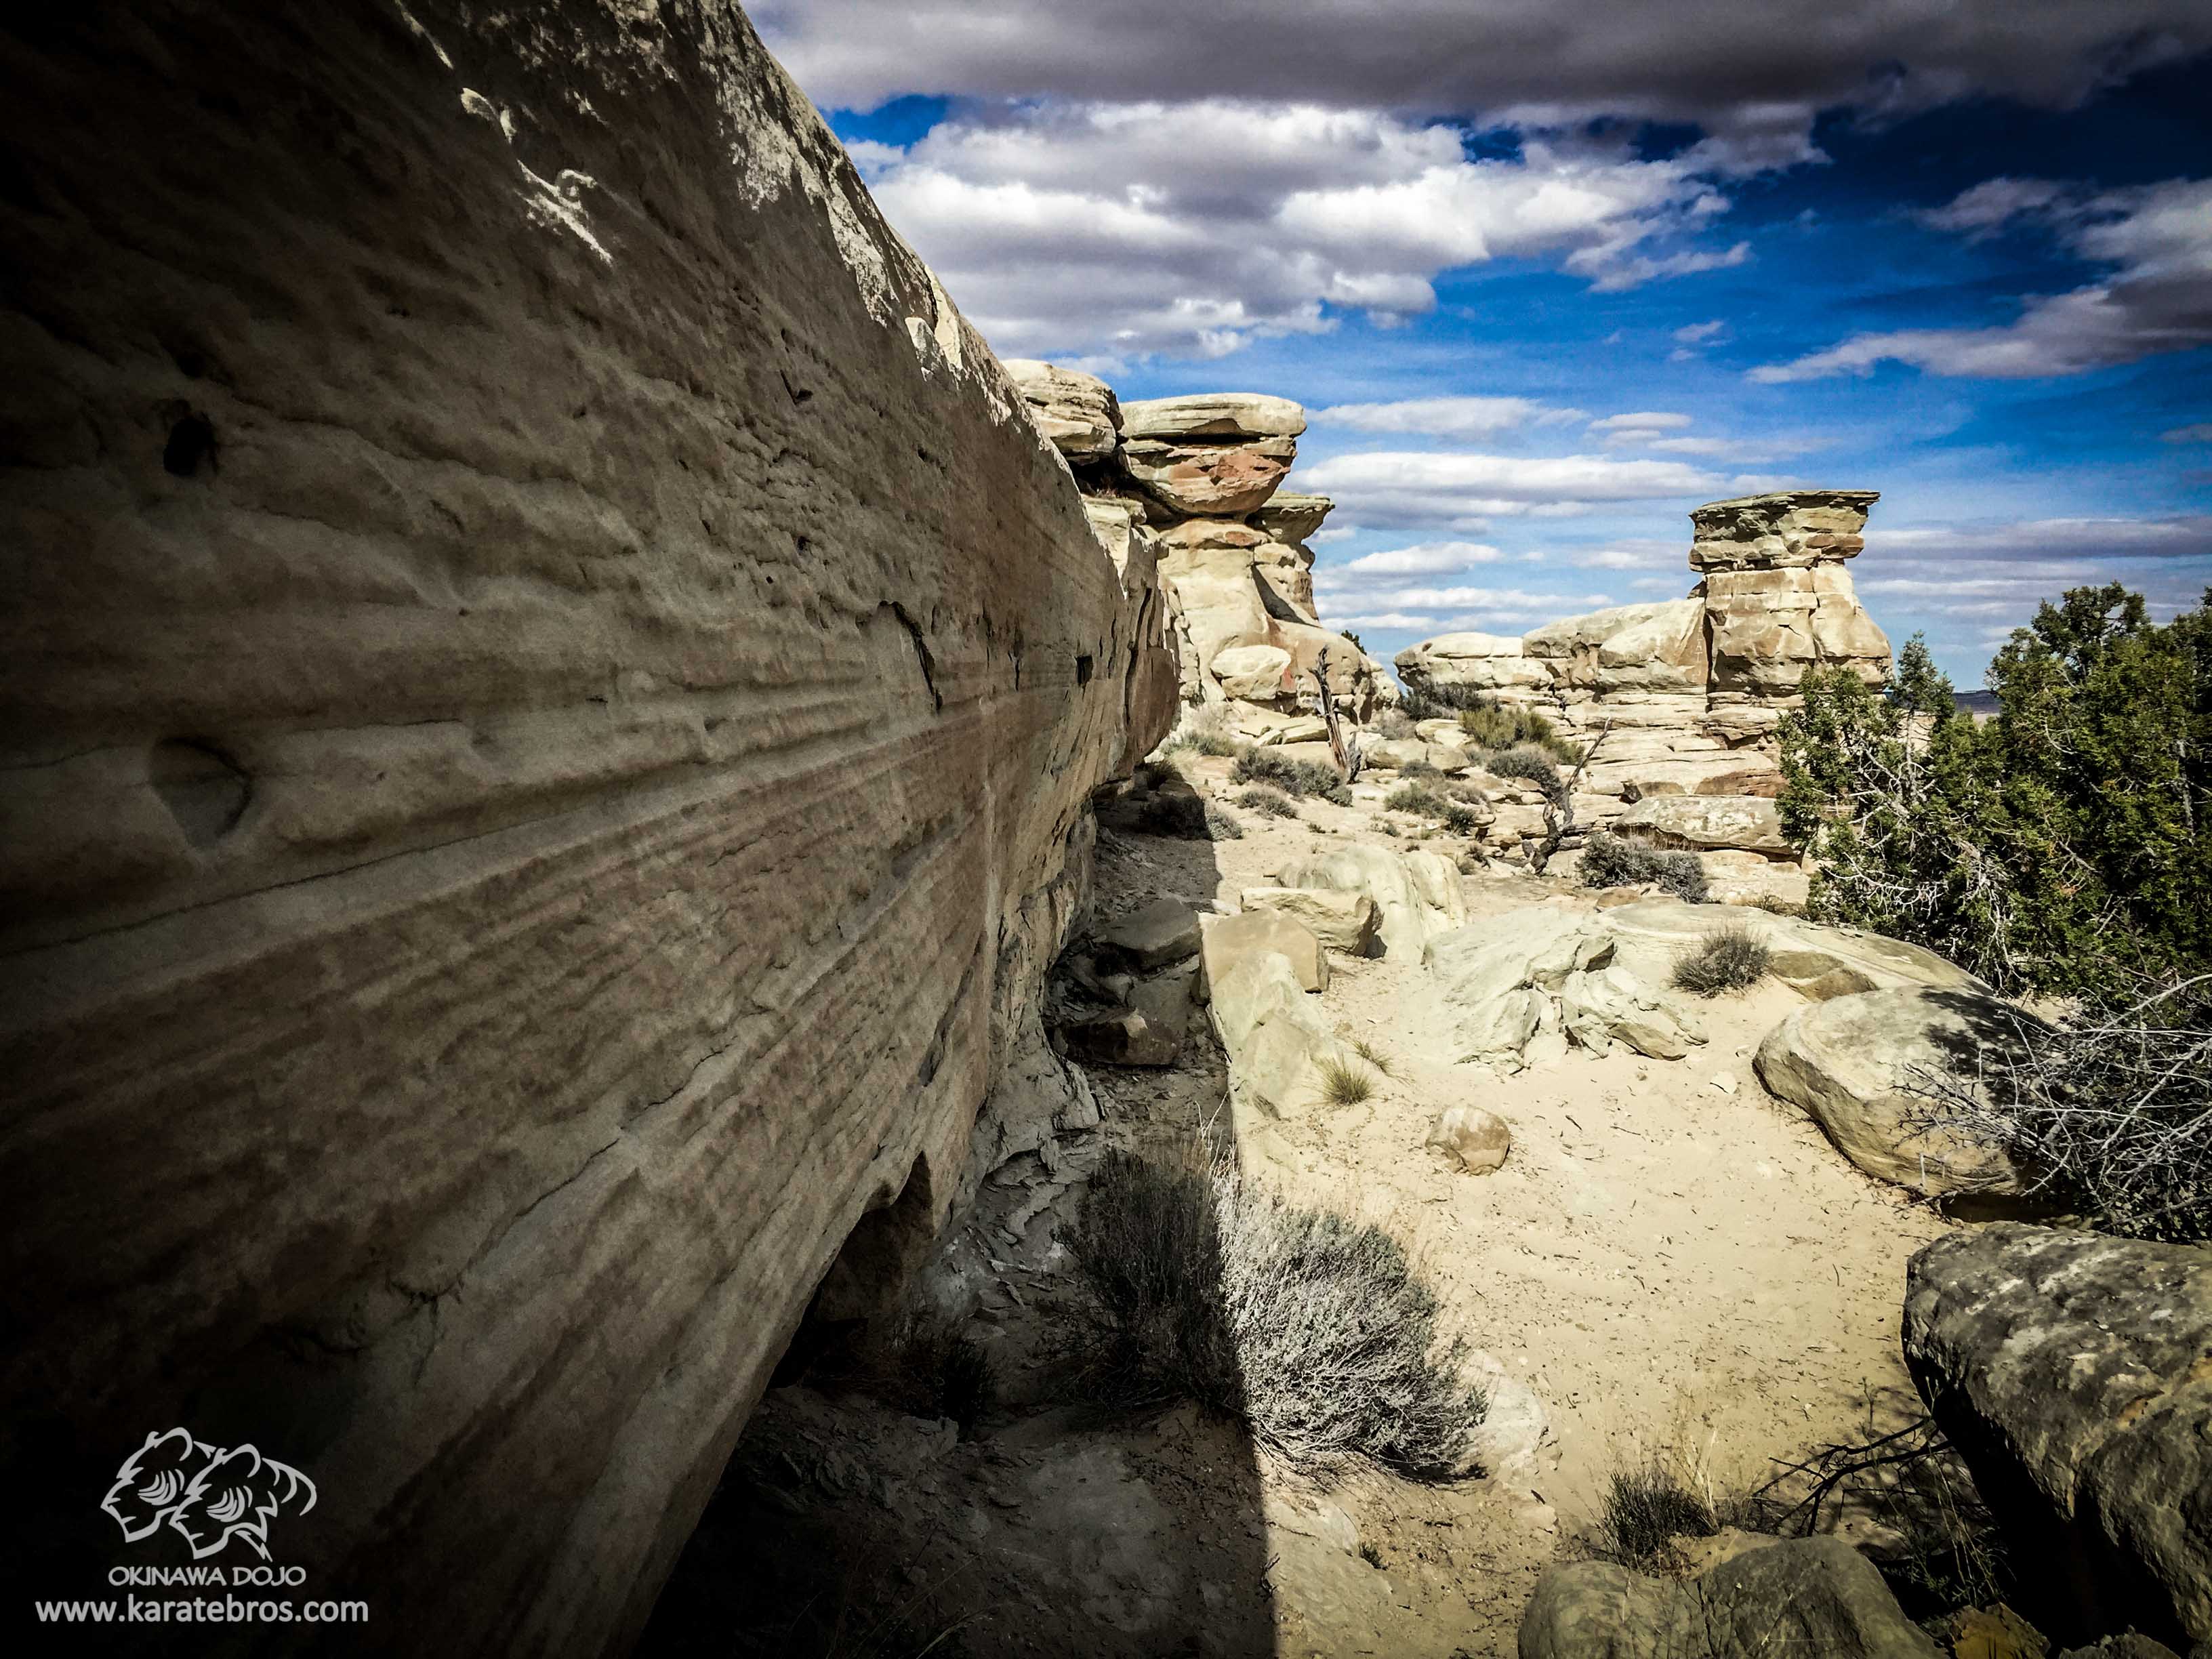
{"x": 1392, "y": 488}
{"x": 1647, "y": 421}
{"x": 2178, "y": 536}
{"x": 1636, "y": 553}
{"x": 1990, "y": 205}
{"x": 1424, "y": 559}
{"x": 1123, "y": 229}
{"x": 1698, "y": 333}
{"x": 2159, "y": 299}
{"x": 1445, "y": 418}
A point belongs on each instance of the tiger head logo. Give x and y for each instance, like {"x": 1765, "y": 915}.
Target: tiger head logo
{"x": 206, "y": 1494}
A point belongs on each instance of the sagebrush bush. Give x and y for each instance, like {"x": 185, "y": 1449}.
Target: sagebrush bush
{"x": 1531, "y": 765}
{"x": 1728, "y": 959}
{"x": 1222, "y": 824}
{"x": 947, "y": 1372}
{"x": 1263, "y": 798}
{"x": 1395, "y": 724}
{"x": 1494, "y": 727}
{"x": 1609, "y": 861}
{"x": 1314, "y": 1330}
{"x": 1442, "y": 701}
{"x": 1294, "y": 777}
{"x": 1460, "y": 820}
{"x": 2109, "y": 1113}
{"x": 1420, "y": 798}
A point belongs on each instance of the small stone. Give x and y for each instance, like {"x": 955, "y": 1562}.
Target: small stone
{"x": 1476, "y": 1140}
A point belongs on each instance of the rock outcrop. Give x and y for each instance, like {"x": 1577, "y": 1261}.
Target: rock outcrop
{"x": 1201, "y": 474}
{"x": 1806, "y": 1596}
{"x": 553, "y": 693}
{"x": 1852, "y": 1064}
{"x": 2074, "y": 1373}
{"x": 1687, "y": 692}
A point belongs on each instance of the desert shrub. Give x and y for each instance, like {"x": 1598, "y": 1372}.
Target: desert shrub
{"x": 1438, "y": 702}
{"x": 1294, "y": 777}
{"x": 2065, "y": 845}
{"x": 1314, "y": 1330}
{"x": 2109, "y": 1113}
{"x": 1271, "y": 802}
{"x": 946, "y": 1373}
{"x": 1492, "y": 726}
{"x": 1204, "y": 729}
{"x": 1395, "y": 724}
{"x": 1179, "y": 811}
{"x": 1473, "y": 794}
{"x": 1609, "y": 861}
{"x": 1460, "y": 820}
{"x": 1222, "y": 824}
{"x": 1419, "y": 768}
{"x": 1531, "y": 765}
{"x": 1344, "y": 1084}
{"x": 1645, "y": 1510}
{"x": 1420, "y": 798}
{"x": 1728, "y": 959}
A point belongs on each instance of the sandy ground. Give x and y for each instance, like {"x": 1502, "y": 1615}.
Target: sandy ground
{"x": 1674, "y": 1262}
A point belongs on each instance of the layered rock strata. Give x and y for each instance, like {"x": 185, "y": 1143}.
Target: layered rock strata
{"x": 553, "y": 693}
{"x": 1201, "y": 475}
{"x": 1688, "y": 691}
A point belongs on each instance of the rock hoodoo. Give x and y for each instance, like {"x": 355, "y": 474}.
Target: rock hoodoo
{"x": 553, "y": 699}
{"x": 1196, "y": 478}
{"x": 1688, "y": 691}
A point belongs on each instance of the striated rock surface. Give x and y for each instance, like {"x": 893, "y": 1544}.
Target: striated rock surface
{"x": 1681, "y": 697}
{"x": 553, "y": 693}
{"x": 2073, "y": 1372}
{"x": 1077, "y": 411}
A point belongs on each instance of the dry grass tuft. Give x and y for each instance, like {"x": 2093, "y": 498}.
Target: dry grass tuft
{"x": 1732, "y": 960}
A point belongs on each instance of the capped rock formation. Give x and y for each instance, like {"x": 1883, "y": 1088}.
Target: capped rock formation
{"x": 1202, "y": 472}
{"x": 553, "y": 695}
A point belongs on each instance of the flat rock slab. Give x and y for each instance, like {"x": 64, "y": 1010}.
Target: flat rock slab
{"x": 1164, "y": 932}
{"x": 2073, "y": 1372}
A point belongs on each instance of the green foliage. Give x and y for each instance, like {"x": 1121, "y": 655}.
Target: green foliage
{"x": 1609, "y": 861}
{"x": 1270, "y": 802}
{"x": 1294, "y": 777}
{"x": 2062, "y": 847}
{"x": 1531, "y": 765}
{"x": 1493, "y": 725}
{"x": 1645, "y": 1510}
{"x": 1417, "y": 797}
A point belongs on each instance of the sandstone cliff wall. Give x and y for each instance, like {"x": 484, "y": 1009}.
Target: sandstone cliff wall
{"x": 552, "y": 692}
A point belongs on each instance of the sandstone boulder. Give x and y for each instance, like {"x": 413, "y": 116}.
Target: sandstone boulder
{"x": 1253, "y": 673}
{"x": 1342, "y": 921}
{"x": 1804, "y": 1596}
{"x": 1849, "y": 1064}
{"x": 1283, "y": 571}
{"x": 540, "y": 838}
{"x": 1749, "y": 824}
{"x": 1656, "y": 646}
{"x": 1475, "y": 662}
{"x": 1231, "y": 939}
{"x": 1163, "y": 931}
{"x": 1222, "y": 480}
{"x": 1271, "y": 1032}
{"x": 2074, "y": 1373}
{"x": 1290, "y": 517}
{"x": 1077, "y": 411}
{"x": 1474, "y": 1139}
{"x": 1409, "y": 918}
{"x": 1233, "y": 415}
{"x": 1818, "y": 962}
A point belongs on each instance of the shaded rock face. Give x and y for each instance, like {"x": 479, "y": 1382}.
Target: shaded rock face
{"x": 1805, "y": 1595}
{"x": 553, "y": 696}
{"x": 2073, "y": 1372}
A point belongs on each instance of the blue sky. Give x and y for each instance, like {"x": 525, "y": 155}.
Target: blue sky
{"x": 1548, "y": 273}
